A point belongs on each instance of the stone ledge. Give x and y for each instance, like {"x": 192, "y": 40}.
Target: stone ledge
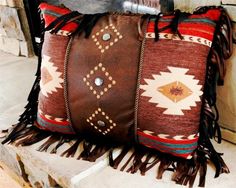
{"x": 16, "y": 177}
{"x": 41, "y": 169}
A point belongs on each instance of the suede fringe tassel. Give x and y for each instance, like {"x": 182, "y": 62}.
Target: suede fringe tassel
{"x": 141, "y": 159}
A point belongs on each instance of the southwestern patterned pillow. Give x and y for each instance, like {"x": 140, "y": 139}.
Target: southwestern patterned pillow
{"x": 109, "y": 80}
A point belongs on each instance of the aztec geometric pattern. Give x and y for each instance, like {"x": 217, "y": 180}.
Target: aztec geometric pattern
{"x": 171, "y": 85}
{"x": 195, "y": 29}
{"x": 53, "y": 124}
{"x": 52, "y": 114}
{"x": 175, "y": 91}
{"x": 188, "y": 38}
{"x": 51, "y": 79}
{"x": 178, "y": 145}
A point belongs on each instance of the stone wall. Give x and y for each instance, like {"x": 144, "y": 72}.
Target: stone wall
{"x": 14, "y": 30}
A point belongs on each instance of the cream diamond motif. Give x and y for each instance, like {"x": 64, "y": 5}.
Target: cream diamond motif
{"x": 107, "y": 81}
{"x": 106, "y": 37}
{"x": 100, "y": 117}
{"x": 175, "y": 90}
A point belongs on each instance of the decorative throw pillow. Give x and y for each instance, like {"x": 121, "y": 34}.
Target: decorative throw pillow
{"x": 114, "y": 80}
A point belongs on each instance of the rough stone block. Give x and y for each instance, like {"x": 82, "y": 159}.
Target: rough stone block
{"x": 15, "y": 3}
{"x": 12, "y": 3}
{"x": 10, "y": 23}
{"x": 231, "y": 11}
{"x": 25, "y": 49}
{"x": 191, "y": 5}
{"x": 3, "y": 2}
{"x": 25, "y": 28}
{"x": 229, "y": 2}
{"x": 10, "y": 45}
{"x": 228, "y": 135}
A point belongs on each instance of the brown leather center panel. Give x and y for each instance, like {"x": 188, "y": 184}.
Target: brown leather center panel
{"x": 102, "y": 78}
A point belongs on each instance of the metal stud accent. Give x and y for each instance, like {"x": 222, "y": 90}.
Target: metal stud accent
{"x": 98, "y": 81}
{"x": 104, "y": 82}
{"x": 106, "y": 37}
{"x": 101, "y": 123}
{"x": 101, "y": 126}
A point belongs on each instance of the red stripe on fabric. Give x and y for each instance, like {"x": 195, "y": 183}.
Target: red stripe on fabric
{"x": 212, "y": 14}
{"x": 171, "y": 141}
{"x": 56, "y": 9}
{"x": 198, "y": 26}
{"x": 186, "y": 155}
{"x": 174, "y": 149}
{"x": 63, "y": 123}
{"x": 51, "y": 130}
{"x": 207, "y": 31}
{"x": 48, "y": 19}
{"x": 70, "y": 27}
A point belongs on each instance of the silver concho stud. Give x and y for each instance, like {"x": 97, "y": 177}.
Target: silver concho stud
{"x": 98, "y": 81}
{"x": 106, "y": 37}
{"x": 101, "y": 123}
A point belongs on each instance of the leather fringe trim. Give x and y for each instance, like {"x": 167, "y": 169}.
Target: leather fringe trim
{"x": 141, "y": 159}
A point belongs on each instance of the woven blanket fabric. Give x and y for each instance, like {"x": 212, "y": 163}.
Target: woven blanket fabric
{"x": 52, "y": 113}
{"x": 172, "y": 82}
